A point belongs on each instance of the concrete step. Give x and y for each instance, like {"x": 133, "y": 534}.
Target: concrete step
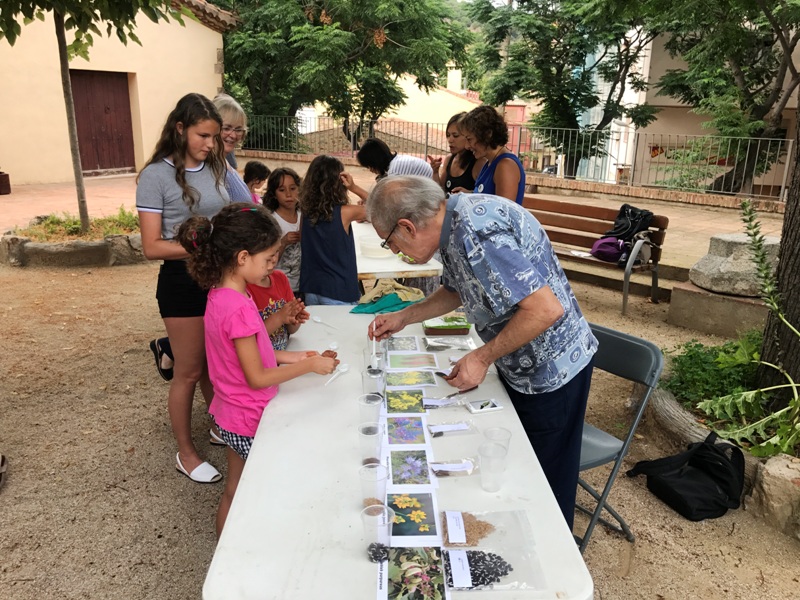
{"x": 640, "y": 283}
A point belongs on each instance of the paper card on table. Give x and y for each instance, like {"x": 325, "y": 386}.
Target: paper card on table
{"x": 408, "y": 563}
{"x": 459, "y": 568}
{"x": 403, "y": 343}
{"x": 456, "y": 531}
{"x": 415, "y": 520}
{"x": 405, "y": 430}
{"x": 404, "y": 401}
{"x": 467, "y": 465}
{"x": 409, "y": 379}
{"x": 412, "y": 360}
{"x": 409, "y": 467}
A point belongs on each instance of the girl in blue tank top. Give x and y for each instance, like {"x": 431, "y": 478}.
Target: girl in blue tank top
{"x": 328, "y": 273}
{"x": 486, "y": 133}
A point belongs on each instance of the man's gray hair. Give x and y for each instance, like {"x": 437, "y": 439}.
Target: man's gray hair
{"x": 417, "y": 199}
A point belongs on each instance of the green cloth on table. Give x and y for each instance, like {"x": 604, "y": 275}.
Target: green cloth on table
{"x": 388, "y": 303}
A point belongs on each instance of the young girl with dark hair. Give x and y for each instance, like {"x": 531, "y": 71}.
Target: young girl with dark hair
{"x": 185, "y": 177}
{"x": 236, "y": 248}
{"x": 281, "y": 197}
{"x": 255, "y": 174}
{"x": 486, "y": 133}
{"x": 328, "y": 273}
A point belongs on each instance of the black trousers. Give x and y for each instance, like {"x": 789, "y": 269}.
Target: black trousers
{"x": 553, "y": 422}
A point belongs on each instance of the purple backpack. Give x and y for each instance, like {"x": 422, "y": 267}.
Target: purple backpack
{"x": 608, "y": 249}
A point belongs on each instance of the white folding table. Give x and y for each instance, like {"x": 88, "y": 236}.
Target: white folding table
{"x": 294, "y": 529}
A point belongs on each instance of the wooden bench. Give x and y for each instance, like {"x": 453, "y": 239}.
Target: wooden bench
{"x": 571, "y": 226}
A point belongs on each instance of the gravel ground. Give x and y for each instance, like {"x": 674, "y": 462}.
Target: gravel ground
{"x": 93, "y": 507}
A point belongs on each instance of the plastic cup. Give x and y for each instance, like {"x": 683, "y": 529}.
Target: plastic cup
{"x": 373, "y": 484}
{"x": 370, "y": 438}
{"x": 380, "y": 357}
{"x": 377, "y": 520}
{"x": 373, "y": 381}
{"x": 369, "y": 407}
{"x": 498, "y": 435}
{"x": 493, "y": 465}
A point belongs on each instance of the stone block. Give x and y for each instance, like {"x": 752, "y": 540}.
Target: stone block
{"x": 66, "y": 254}
{"x": 12, "y": 250}
{"x": 776, "y": 494}
{"x": 728, "y": 267}
{"x": 718, "y": 314}
{"x": 124, "y": 249}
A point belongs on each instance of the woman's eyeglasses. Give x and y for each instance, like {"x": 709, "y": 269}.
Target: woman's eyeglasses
{"x": 228, "y": 129}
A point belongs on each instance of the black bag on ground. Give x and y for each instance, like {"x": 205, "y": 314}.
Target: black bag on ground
{"x": 701, "y": 483}
{"x": 630, "y": 221}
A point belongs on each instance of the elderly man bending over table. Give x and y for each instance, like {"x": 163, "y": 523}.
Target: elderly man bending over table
{"x": 498, "y": 263}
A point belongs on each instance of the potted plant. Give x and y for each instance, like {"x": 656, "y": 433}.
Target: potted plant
{"x": 5, "y": 183}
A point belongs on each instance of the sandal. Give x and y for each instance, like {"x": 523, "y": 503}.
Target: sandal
{"x": 159, "y": 348}
{"x": 214, "y": 439}
{"x": 3, "y": 469}
{"x": 204, "y": 473}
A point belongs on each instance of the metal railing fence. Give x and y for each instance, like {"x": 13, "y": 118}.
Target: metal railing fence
{"x": 698, "y": 163}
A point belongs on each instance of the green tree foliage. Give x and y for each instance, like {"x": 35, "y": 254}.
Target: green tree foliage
{"x": 83, "y": 19}
{"x": 347, "y": 54}
{"x": 556, "y": 51}
{"x": 739, "y": 72}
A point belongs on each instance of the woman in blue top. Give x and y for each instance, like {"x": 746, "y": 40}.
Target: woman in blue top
{"x": 486, "y": 134}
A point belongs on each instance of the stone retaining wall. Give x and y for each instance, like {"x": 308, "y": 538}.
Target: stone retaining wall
{"x": 19, "y": 251}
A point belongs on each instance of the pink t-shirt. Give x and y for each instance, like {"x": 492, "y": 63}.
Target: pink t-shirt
{"x": 236, "y": 406}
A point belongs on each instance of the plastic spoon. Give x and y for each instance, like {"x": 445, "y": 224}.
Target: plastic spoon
{"x": 342, "y": 368}
{"x": 316, "y": 319}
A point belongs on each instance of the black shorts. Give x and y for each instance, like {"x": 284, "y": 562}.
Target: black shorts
{"x": 177, "y": 293}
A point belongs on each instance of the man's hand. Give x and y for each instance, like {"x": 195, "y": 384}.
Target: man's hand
{"x": 385, "y": 326}
{"x": 469, "y": 372}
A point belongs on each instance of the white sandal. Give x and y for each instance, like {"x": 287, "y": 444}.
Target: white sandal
{"x": 214, "y": 439}
{"x": 204, "y": 473}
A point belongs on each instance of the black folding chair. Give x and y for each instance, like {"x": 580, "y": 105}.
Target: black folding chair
{"x": 641, "y": 362}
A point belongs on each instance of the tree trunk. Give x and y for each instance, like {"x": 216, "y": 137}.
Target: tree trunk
{"x": 72, "y": 127}
{"x": 781, "y": 346}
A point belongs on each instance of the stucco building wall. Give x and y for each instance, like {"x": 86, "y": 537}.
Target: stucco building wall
{"x": 172, "y": 61}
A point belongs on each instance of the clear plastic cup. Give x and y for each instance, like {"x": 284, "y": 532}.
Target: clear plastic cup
{"x": 493, "y": 465}
{"x": 373, "y": 484}
{"x": 378, "y": 361}
{"x": 498, "y": 435}
{"x": 377, "y": 520}
{"x": 370, "y": 438}
{"x": 373, "y": 381}
{"x": 369, "y": 407}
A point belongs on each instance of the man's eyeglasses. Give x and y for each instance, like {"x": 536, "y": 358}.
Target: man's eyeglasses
{"x": 385, "y": 243}
{"x": 228, "y": 129}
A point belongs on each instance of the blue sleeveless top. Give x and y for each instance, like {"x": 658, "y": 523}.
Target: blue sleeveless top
{"x": 485, "y": 182}
{"x": 328, "y": 259}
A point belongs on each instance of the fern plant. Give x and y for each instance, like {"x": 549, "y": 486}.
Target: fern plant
{"x": 768, "y": 433}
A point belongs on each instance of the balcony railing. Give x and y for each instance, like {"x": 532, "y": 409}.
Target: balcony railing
{"x": 724, "y": 165}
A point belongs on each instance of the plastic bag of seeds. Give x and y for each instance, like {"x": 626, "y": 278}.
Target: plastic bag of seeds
{"x": 460, "y": 467}
{"x": 449, "y": 428}
{"x": 501, "y": 552}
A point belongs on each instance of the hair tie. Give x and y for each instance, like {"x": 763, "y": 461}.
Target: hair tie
{"x": 194, "y": 239}
{"x": 252, "y": 209}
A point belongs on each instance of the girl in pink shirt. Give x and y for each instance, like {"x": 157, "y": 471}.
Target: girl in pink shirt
{"x": 240, "y": 246}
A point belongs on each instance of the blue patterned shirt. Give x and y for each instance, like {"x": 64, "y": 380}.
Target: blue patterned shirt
{"x": 495, "y": 254}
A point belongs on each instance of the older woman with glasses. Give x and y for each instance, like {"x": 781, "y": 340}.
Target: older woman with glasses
{"x": 234, "y": 128}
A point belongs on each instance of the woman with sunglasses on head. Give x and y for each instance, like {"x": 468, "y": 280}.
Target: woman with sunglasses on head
{"x": 184, "y": 178}
{"x": 234, "y": 128}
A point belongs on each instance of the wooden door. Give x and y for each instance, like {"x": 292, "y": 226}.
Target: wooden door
{"x": 103, "y": 115}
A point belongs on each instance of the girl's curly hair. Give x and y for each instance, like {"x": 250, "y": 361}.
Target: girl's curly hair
{"x": 275, "y": 180}
{"x": 487, "y": 125}
{"x": 322, "y": 189}
{"x": 213, "y": 245}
